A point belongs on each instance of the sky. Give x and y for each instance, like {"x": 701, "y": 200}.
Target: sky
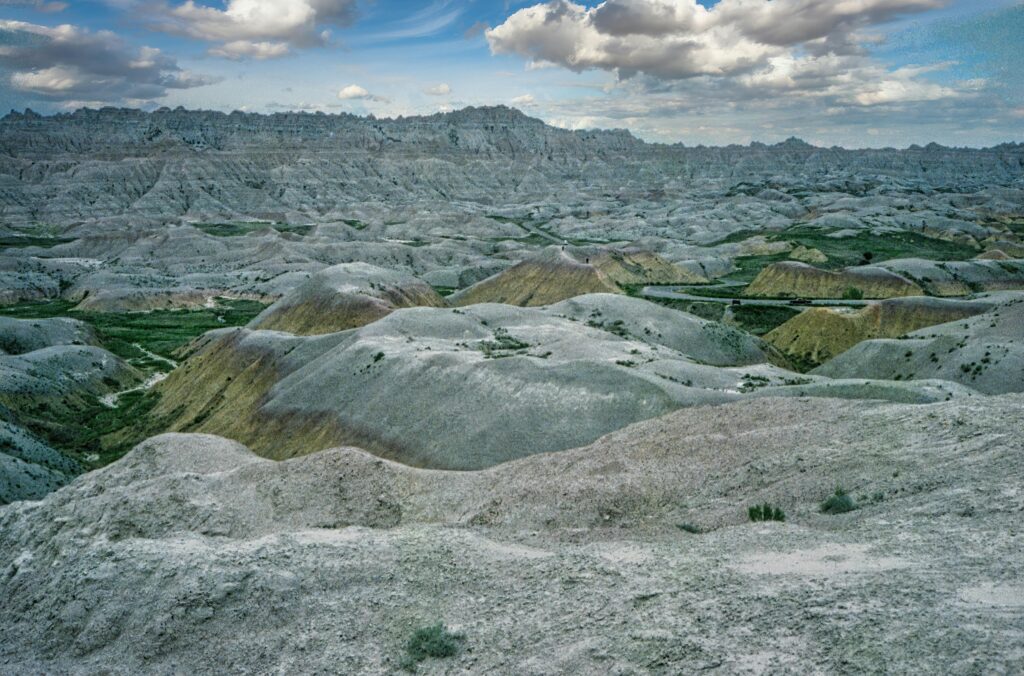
{"x": 856, "y": 73}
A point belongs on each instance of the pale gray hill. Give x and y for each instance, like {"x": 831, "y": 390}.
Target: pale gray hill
{"x": 471, "y": 387}
{"x": 984, "y": 352}
{"x": 56, "y": 383}
{"x": 192, "y": 551}
{"x": 701, "y": 340}
{"x": 29, "y": 468}
{"x": 957, "y": 278}
{"x": 343, "y": 297}
{"x": 18, "y": 336}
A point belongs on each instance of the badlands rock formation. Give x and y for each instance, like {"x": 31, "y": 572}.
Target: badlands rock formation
{"x": 29, "y": 468}
{"x": 192, "y": 551}
{"x": 607, "y": 448}
{"x": 19, "y": 336}
{"x": 559, "y": 273}
{"x": 458, "y": 388}
{"x": 469, "y": 388}
{"x": 794, "y": 279}
{"x": 958, "y": 278}
{"x": 49, "y": 369}
{"x": 343, "y": 297}
{"x": 984, "y": 352}
{"x": 818, "y": 334}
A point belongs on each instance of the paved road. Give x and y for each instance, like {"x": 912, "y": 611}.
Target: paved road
{"x": 678, "y": 293}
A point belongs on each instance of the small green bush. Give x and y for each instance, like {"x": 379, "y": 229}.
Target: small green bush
{"x": 853, "y": 293}
{"x": 690, "y": 528}
{"x": 432, "y": 641}
{"x": 838, "y": 503}
{"x": 766, "y": 512}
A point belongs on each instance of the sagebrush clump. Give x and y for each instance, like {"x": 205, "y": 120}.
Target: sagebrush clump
{"x": 839, "y": 502}
{"x": 766, "y": 512}
{"x": 433, "y": 641}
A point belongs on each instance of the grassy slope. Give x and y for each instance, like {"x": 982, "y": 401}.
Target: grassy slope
{"x": 162, "y": 332}
{"x": 238, "y": 229}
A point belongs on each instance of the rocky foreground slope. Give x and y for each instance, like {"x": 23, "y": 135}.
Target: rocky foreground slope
{"x": 632, "y": 555}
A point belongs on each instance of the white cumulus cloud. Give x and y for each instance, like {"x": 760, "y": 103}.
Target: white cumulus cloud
{"x": 682, "y": 38}
{"x": 442, "y": 89}
{"x": 255, "y": 28}
{"x": 74, "y": 64}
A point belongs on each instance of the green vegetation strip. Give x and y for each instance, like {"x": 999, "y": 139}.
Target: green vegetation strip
{"x": 240, "y": 229}
{"x": 18, "y": 242}
{"x": 96, "y": 434}
{"x": 160, "y": 331}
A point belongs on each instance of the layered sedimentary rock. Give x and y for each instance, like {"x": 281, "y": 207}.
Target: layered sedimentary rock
{"x": 173, "y": 163}
{"x": 818, "y": 334}
{"x": 793, "y": 279}
{"x": 564, "y": 272}
{"x": 957, "y": 278}
{"x": 466, "y": 388}
{"x": 984, "y": 352}
{"x": 343, "y": 297}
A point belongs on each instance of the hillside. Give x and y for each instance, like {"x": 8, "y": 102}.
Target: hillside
{"x": 819, "y": 334}
{"x": 343, "y": 297}
{"x": 984, "y": 352}
{"x": 793, "y": 279}
{"x": 633, "y": 553}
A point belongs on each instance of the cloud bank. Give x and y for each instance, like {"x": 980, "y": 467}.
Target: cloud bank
{"x": 258, "y": 29}
{"x": 71, "y": 64}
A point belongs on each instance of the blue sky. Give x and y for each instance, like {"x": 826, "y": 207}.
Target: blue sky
{"x": 858, "y": 73}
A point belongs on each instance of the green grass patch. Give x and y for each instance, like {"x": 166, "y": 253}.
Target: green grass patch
{"x": 766, "y": 512}
{"x": 85, "y": 433}
{"x": 846, "y": 251}
{"x": 711, "y": 311}
{"x": 716, "y": 291}
{"x": 159, "y": 331}
{"x": 435, "y": 641}
{"x": 839, "y": 502}
{"x": 748, "y": 267}
{"x": 20, "y": 242}
{"x": 96, "y": 434}
{"x": 238, "y": 229}
{"x": 760, "y": 319}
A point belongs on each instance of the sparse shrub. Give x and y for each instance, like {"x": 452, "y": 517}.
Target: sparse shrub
{"x": 690, "y": 528}
{"x": 432, "y": 641}
{"x": 839, "y": 502}
{"x": 766, "y": 512}
{"x": 853, "y": 293}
